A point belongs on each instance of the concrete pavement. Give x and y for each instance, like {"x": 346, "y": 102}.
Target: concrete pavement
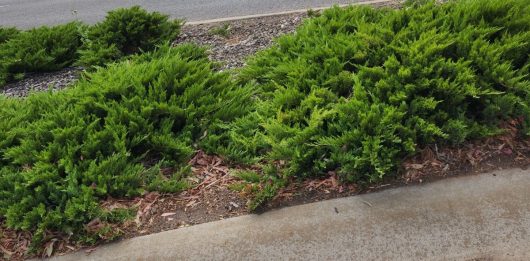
{"x": 30, "y": 13}
{"x": 480, "y": 217}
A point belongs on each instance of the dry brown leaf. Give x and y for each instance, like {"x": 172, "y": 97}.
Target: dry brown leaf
{"x": 416, "y": 166}
{"x": 167, "y": 214}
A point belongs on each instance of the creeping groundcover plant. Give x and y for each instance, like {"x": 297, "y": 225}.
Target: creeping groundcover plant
{"x": 123, "y": 32}
{"x": 109, "y": 135}
{"x": 358, "y": 89}
{"x": 353, "y": 91}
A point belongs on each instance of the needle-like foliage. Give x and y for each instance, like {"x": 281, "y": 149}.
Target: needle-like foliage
{"x": 126, "y": 31}
{"x": 41, "y": 49}
{"x": 358, "y": 89}
{"x": 109, "y": 135}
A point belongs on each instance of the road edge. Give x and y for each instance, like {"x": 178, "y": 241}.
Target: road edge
{"x": 244, "y": 17}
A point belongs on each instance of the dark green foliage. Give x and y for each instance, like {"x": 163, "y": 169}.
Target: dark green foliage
{"x": 37, "y": 50}
{"x": 109, "y": 135}
{"x": 7, "y": 33}
{"x": 125, "y": 32}
{"x": 122, "y": 33}
{"x": 247, "y": 175}
{"x": 359, "y": 89}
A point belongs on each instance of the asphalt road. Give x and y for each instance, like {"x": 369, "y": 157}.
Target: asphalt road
{"x": 30, "y": 13}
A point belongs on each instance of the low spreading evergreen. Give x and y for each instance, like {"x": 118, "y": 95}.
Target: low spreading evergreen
{"x": 7, "y": 33}
{"x": 358, "y": 89}
{"x": 42, "y": 49}
{"x": 352, "y": 91}
{"x": 109, "y": 135}
{"x": 126, "y": 31}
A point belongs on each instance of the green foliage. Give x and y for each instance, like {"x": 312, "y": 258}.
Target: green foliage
{"x": 7, "y": 33}
{"x": 247, "y": 175}
{"x": 37, "y": 50}
{"x": 264, "y": 194}
{"x": 238, "y": 187}
{"x": 358, "y": 89}
{"x": 124, "y": 32}
{"x": 222, "y": 30}
{"x": 109, "y": 135}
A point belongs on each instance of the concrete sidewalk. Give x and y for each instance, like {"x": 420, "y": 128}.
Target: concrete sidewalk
{"x": 480, "y": 217}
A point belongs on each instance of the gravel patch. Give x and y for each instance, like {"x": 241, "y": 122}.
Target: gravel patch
{"x": 232, "y": 42}
{"x": 42, "y": 82}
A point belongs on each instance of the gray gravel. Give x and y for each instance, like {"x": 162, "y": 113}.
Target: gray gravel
{"x": 42, "y": 82}
{"x": 245, "y": 37}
